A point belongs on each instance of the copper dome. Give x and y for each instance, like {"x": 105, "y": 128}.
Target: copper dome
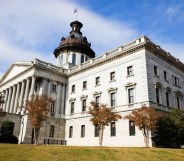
{"x": 75, "y": 42}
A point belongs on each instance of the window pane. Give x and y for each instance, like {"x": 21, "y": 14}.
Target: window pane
{"x": 157, "y": 95}
{"x": 71, "y": 132}
{"x": 74, "y": 59}
{"x": 112, "y": 99}
{"x": 82, "y": 58}
{"x": 83, "y": 131}
{"x": 113, "y": 129}
{"x": 83, "y": 105}
{"x": 130, "y": 95}
{"x": 131, "y": 128}
{"x": 72, "y": 107}
{"x": 96, "y": 131}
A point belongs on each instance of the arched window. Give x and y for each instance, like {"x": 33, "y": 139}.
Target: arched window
{"x": 74, "y": 58}
{"x": 82, "y": 58}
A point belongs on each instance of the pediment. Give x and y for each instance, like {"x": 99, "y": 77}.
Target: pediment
{"x": 14, "y": 70}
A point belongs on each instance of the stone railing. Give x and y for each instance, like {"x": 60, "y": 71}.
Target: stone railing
{"x": 49, "y": 66}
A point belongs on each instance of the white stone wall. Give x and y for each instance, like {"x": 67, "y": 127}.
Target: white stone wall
{"x": 119, "y": 66}
{"x": 162, "y": 65}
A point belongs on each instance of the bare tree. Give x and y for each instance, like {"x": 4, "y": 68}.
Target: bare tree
{"x": 101, "y": 117}
{"x": 145, "y": 119}
{"x": 38, "y": 108}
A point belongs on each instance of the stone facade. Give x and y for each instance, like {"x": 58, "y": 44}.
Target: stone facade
{"x": 137, "y": 73}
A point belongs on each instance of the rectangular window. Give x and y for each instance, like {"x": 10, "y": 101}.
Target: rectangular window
{"x": 96, "y": 131}
{"x": 155, "y": 70}
{"x": 129, "y": 70}
{"x": 53, "y": 88}
{"x": 112, "y": 76}
{"x": 70, "y": 131}
{"x": 97, "y": 100}
{"x": 167, "y": 99}
{"x": 51, "y": 134}
{"x": 165, "y": 75}
{"x": 131, "y": 128}
{"x": 175, "y": 80}
{"x": 73, "y": 88}
{"x": 178, "y": 102}
{"x": 83, "y": 105}
{"x": 85, "y": 85}
{"x": 72, "y": 107}
{"x": 82, "y": 131}
{"x": 130, "y": 95}
{"x": 97, "y": 81}
{"x": 113, "y": 101}
{"x": 113, "y": 129}
{"x": 157, "y": 95}
{"x": 52, "y": 108}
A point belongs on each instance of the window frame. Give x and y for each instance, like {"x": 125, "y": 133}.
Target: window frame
{"x": 130, "y": 70}
{"x": 84, "y": 85}
{"x": 112, "y": 76}
{"x": 113, "y": 129}
{"x": 52, "y": 108}
{"x": 70, "y": 131}
{"x": 53, "y": 88}
{"x": 72, "y": 107}
{"x": 82, "y": 131}
{"x": 132, "y": 131}
{"x": 51, "y": 132}
{"x": 84, "y": 105}
{"x": 73, "y": 88}
{"x": 97, "y": 81}
{"x": 97, "y": 131}
{"x": 131, "y": 97}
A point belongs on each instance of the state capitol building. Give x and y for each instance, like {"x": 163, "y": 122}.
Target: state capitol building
{"x": 139, "y": 72}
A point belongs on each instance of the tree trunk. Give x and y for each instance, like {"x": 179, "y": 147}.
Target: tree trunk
{"x": 146, "y": 136}
{"x": 36, "y": 134}
{"x": 101, "y": 135}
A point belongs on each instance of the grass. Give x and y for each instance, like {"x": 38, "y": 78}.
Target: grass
{"x": 12, "y": 152}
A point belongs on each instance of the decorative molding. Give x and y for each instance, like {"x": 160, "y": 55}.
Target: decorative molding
{"x": 83, "y": 97}
{"x": 72, "y": 99}
{"x": 129, "y": 84}
{"x": 168, "y": 89}
{"x": 158, "y": 85}
{"x": 97, "y": 93}
{"x": 178, "y": 93}
{"x": 112, "y": 89}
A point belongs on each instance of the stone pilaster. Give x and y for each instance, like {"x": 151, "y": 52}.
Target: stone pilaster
{"x": 58, "y": 103}
{"x": 16, "y": 98}
{"x": 12, "y": 100}
{"x": 32, "y": 86}
{"x": 9, "y": 99}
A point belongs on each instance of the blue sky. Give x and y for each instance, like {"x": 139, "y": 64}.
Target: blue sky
{"x": 33, "y": 28}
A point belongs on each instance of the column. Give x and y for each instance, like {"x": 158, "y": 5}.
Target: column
{"x": 26, "y": 94}
{"x": 5, "y": 99}
{"x": 16, "y": 98}
{"x": 58, "y": 103}
{"x": 9, "y": 98}
{"x": 63, "y": 99}
{"x": 44, "y": 87}
{"x": 12, "y": 100}
{"x": 32, "y": 86}
{"x": 22, "y": 94}
{"x": 49, "y": 86}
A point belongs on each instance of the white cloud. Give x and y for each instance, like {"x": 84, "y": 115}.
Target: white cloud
{"x": 28, "y": 27}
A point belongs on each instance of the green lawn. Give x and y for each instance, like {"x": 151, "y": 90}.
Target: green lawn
{"x": 9, "y": 152}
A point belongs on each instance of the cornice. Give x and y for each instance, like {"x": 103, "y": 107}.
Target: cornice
{"x": 107, "y": 60}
